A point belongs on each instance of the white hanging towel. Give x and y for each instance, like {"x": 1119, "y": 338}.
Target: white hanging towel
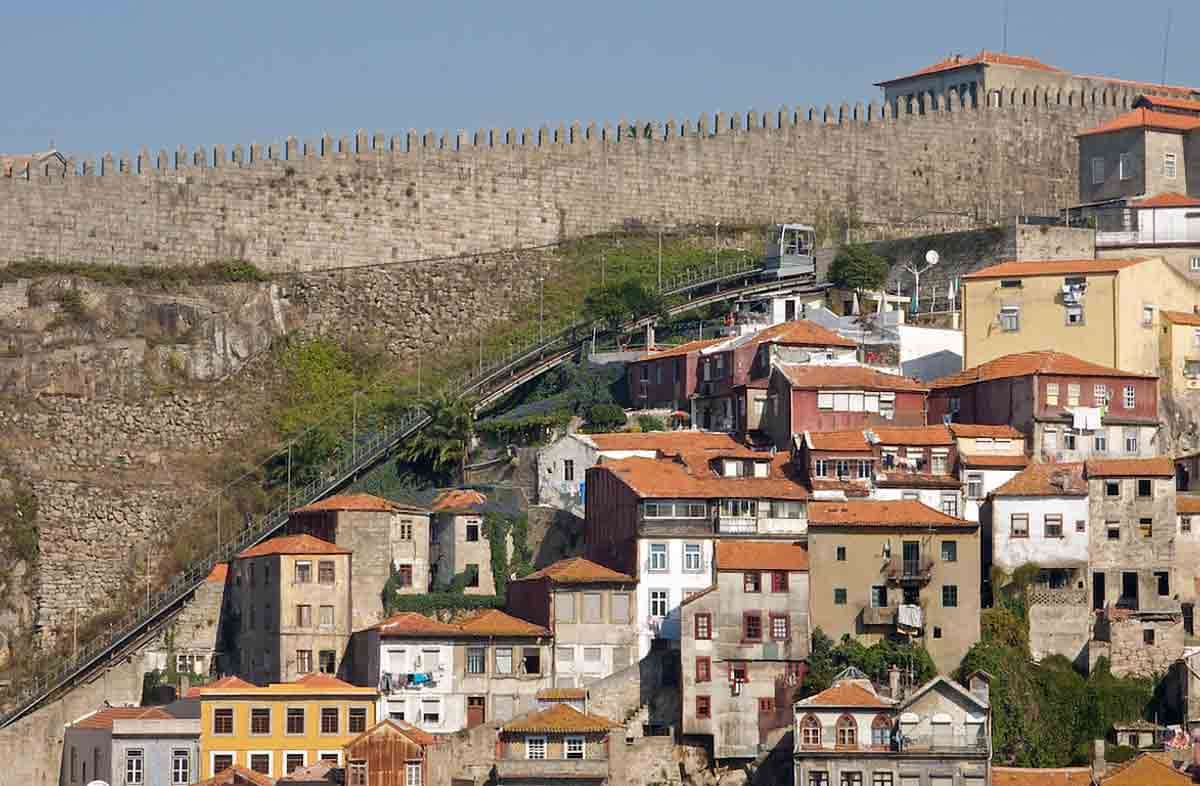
{"x": 909, "y": 616}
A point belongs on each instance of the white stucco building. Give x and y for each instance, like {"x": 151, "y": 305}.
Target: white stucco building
{"x": 988, "y": 457}
{"x": 672, "y": 569}
{"x": 1041, "y": 516}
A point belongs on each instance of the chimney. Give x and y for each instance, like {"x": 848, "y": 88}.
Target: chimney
{"x": 1098, "y": 764}
{"x": 894, "y": 682}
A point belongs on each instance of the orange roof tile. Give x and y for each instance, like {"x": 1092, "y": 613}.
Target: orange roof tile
{"x": 237, "y": 775}
{"x": 1146, "y": 118}
{"x": 880, "y": 513}
{"x": 310, "y": 683}
{"x": 983, "y": 58}
{"x": 1030, "y": 776}
{"x": 493, "y": 622}
{"x": 578, "y": 570}
{"x": 1169, "y": 199}
{"x": 388, "y": 725}
{"x": 760, "y": 555}
{"x": 847, "y": 693}
{"x": 1182, "y": 317}
{"x": 318, "y": 771}
{"x": 707, "y": 590}
{"x": 893, "y": 478}
{"x": 453, "y": 500}
{"x": 801, "y": 333}
{"x": 218, "y": 574}
{"x": 682, "y": 349}
{"x": 562, "y": 694}
{"x": 1159, "y": 466}
{"x": 357, "y": 502}
{"x": 103, "y": 719}
{"x": 853, "y": 440}
{"x": 410, "y": 623}
{"x": 318, "y": 679}
{"x": 1046, "y": 480}
{"x": 1023, "y": 364}
{"x": 992, "y": 461}
{"x": 691, "y": 478}
{"x": 292, "y": 544}
{"x": 1187, "y": 503}
{"x": 913, "y": 435}
{"x": 558, "y": 718}
{"x": 857, "y": 377}
{"x": 228, "y": 682}
{"x": 851, "y": 488}
{"x": 667, "y": 441}
{"x": 1146, "y": 770}
{"x": 1022, "y": 268}
{"x": 972, "y": 430}
{"x": 1168, "y": 102}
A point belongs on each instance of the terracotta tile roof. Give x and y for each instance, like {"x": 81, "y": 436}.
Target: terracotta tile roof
{"x": 798, "y": 333}
{"x": 320, "y": 680}
{"x": 1145, "y": 770}
{"x": 1187, "y": 503}
{"x": 913, "y": 435}
{"x": 1169, "y": 199}
{"x": 992, "y": 461}
{"x": 853, "y": 440}
{"x": 562, "y": 694}
{"x": 390, "y": 726}
{"x": 983, "y": 58}
{"x": 558, "y": 718}
{"x": 1023, "y": 364}
{"x": 292, "y": 544}
{"x": 1046, "y": 480}
{"x": 971, "y": 430}
{"x": 237, "y": 775}
{"x": 855, "y": 377}
{"x": 666, "y": 441}
{"x": 1030, "y": 776}
{"x": 1169, "y": 102}
{"x": 358, "y": 502}
{"x": 218, "y": 574}
{"x": 227, "y": 683}
{"x": 1182, "y": 317}
{"x": 691, "y": 478}
{"x": 1159, "y": 466}
{"x": 880, "y": 513}
{"x": 1023, "y": 268}
{"x": 1179, "y": 90}
{"x": 410, "y": 623}
{"x": 760, "y": 555}
{"x": 455, "y": 500}
{"x": 682, "y": 349}
{"x": 898, "y": 479}
{"x": 317, "y": 771}
{"x": 1146, "y": 118}
{"x": 315, "y": 683}
{"x": 103, "y": 719}
{"x": 848, "y": 693}
{"x": 851, "y": 488}
{"x": 493, "y": 622}
{"x": 579, "y": 570}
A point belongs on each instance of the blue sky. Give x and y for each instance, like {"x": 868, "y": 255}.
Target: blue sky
{"x": 117, "y": 75}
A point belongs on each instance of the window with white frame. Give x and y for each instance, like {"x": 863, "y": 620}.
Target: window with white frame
{"x": 1194, "y": 264}
{"x": 181, "y": 767}
{"x": 1050, "y": 440}
{"x": 1147, "y": 316}
{"x": 1052, "y": 394}
{"x": 135, "y": 766}
{"x": 1097, "y": 170}
{"x": 1010, "y": 318}
{"x": 1191, "y": 369}
{"x": 1169, "y": 168}
{"x": 1073, "y": 394}
{"x": 535, "y": 747}
{"x": 1131, "y": 440}
{"x": 950, "y": 503}
{"x": 674, "y": 509}
{"x": 1130, "y": 397}
{"x": 658, "y": 603}
{"x": 788, "y": 509}
{"x": 1126, "y": 166}
{"x": 412, "y": 773}
{"x": 975, "y": 485}
{"x": 938, "y": 462}
{"x": 692, "y": 559}
{"x": 573, "y": 748}
{"x": 739, "y": 508}
{"x": 1196, "y": 336}
{"x": 1068, "y": 439}
{"x": 658, "y": 557}
{"x": 1100, "y": 441}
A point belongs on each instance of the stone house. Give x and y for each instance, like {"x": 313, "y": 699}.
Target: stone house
{"x": 743, "y": 647}
{"x": 459, "y": 544}
{"x": 889, "y": 568}
{"x": 558, "y": 745}
{"x": 1068, "y": 409}
{"x": 838, "y": 398}
{"x": 1103, "y": 311}
{"x": 657, "y": 519}
{"x": 939, "y": 735}
{"x": 443, "y": 677}
{"x": 192, "y": 641}
{"x": 383, "y": 535}
{"x": 291, "y": 608}
{"x": 988, "y": 457}
{"x": 150, "y": 751}
{"x": 88, "y": 750}
{"x": 589, "y": 610}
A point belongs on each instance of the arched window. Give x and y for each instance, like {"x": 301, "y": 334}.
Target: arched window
{"x": 847, "y": 731}
{"x": 881, "y": 732}
{"x": 810, "y": 732}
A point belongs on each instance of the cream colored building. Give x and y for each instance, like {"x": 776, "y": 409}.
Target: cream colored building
{"x": 1179, "y": 353}
{"x": 1106, "y": 311}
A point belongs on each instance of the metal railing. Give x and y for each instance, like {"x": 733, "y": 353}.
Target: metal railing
{"x": 487, "y": 382}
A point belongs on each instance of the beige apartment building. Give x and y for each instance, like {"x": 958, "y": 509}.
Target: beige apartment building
{"x": 1107, "y": 311}
{"x": 1179, "y": 353}
{"x": 292, "y": 608}
{"x": 896, "y": 568}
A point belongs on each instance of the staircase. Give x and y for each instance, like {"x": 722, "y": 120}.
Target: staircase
{"x": 487, "y": 385}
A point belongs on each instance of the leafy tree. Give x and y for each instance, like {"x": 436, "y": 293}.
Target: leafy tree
{"x": 440, "y": 449}
{"x": 858, "y": 268}
{"x": 586, "y": 386}
{"x": 605, "y": 417}
{"x": 821, "y": 666}
{"x": 651, "y": 423}
{"x": 616, "y": 303}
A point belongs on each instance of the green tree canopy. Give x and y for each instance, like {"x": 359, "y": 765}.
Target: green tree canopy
{"x": 440, "y": 449}
{"x": 613, "y": 304}
{"x": 858, "y": 268}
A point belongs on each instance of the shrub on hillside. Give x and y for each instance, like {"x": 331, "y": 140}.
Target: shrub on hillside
{"x": 605, "y": 417}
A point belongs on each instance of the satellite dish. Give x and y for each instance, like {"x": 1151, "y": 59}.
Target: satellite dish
{"x": 932, "y": 257}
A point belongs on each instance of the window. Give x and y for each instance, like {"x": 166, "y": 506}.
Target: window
{"x": 1019, "y": 525}
{"x": 181, "y": 768}
{"x": 949, "y": 551}
{"x": 592, "y": 657}
{"x": 781, "y": 627}
{"x": 292, "y": 762}
{"x": 974, "y": 485}
{"x": 620, "y": 606}
{"x": 737, "y": 671}
{"x": 752, "y": 581}
{"x": 535, "y": 747}
{"x": 329, "y": 720}
{"x": 1185, "y": 523}
{"x": 1148, "y": 636}
{"x": 1130, "y": 397}
{"x": 766, "y": 706}
{"x": 1146, "y": 528}
{"x": 1097, "y": 170}
{"x": 1125, "y": 163}
{"x": 879, "y": 597}
{"x": 303, "y": 572}
{"x": 840, "y": 553}
{"x": 1075, "y": 315}
{"x": 1052, "y": 394}
{"x": 703, "y": 707}
{"x": 565, "y": 655}
{"x": 1100, "y": 394}
{"x": 223, "y": 720}
{"x": 739, "y": 508}
{"x": 779, "y": 581}
{"x": 1052, "y": 525}
{"x": 784, "y": 509}
{"x": 1169, "y": 165}
{"x": 1010, "y": 319}
{"x": 412, "y": 773}
{"x": 260, "y": 720}
{"x": 839, "y": 596}
{"x": 1194, "y": 264}
{"x": 564, "y": 607}
{"x": 703, "y": 669}
{"x": 950, "y": 503}
{"x": 504, "y": 660}
{"x": 1100, "y": 442}
{"x": 1113, "y": 530}
{"x": 1162, "y": 579}
{"x": 1050, "y": 440}
{"x": 949, "y": 596}
{"x": 703, "y": 626}
{"x": 472, "y": 533}
{"x": 261, "y": 763}
{"x": 358, "y": 773}
{"x": 326, "y": 616}
{"x": 1073, "y": 394}
{"x": 810, "y": 731}
{"x": 1068, "y": 439}
{"x": 1010, "y": 283}
{"x": 851, "y": 779}
{"x": 356, "y": 720}
{"x": 881, "y": 778}
{"x": 1131, "y": 440}
{"x": 405, "y": 572}
{"x": 1191, "y": 368}
{"x": 222, "y": 761}
{"x": 135, "y": 766}
{"x": 568, "y": 470}
{"x": 847, "y": 732}
{"x": 751, "y": 626}
{"x": 295, "y": 720}
{"x": 881, "y": 732}
{"x": 573, "y": 748}
{"x": 937, "y": 631}
{"x": 1145, "y": 487}
{"x": 406, "y": 529}
{"x": 658, "y": 603}
{"x": 326, "y": 572}
{"x": 531, "y": 660}
{"x": 937, "y": 464}
{"x": 472, "y": 574}
{"x": 1080, "y": 525}
{"x": 692, "y": 560}
{"x": 1112, "y": 488}
{"x": 475, "y": 659}
{"x": 593, "y": 607}
{"x": 658, "y": 557}
{"x": 303, "y": 616}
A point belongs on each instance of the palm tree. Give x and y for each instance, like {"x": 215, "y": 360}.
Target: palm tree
{"x": 441, "y": 448}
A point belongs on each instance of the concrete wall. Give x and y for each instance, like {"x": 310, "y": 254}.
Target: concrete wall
{"x": 1153, "y": 284}
{"x": 1010, "y": 553}
{"x": 1060, "y": 629}
{"x": 929, "y": 353}
{"x": 1109, "y": 148}
{"x": 552, "y": 487}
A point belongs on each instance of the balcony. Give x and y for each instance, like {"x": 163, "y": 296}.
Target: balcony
{"x": 961, "y": 743}
{"x": 909, "y": 571}
{"x": 1044, "y": 595}
{"x": 737, "y": 525}
{"x": 879, "y": 615}
{"x": 552, "y": 770}
{"x": 1149, "y": 235}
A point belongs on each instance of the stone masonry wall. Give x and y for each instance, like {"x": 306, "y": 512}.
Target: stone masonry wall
{"x": 304, "y": 207}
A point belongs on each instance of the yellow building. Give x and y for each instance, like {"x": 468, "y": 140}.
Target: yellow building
{"x": 1107, "y": 311}
{"x": 279, "y": 727}
{"x": 1179, "y": 347}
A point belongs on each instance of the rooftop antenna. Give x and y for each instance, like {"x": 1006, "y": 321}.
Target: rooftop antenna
{"x": 1166, "y": 42}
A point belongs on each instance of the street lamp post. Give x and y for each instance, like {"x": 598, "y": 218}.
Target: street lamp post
{"x": 931, "y": 259}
